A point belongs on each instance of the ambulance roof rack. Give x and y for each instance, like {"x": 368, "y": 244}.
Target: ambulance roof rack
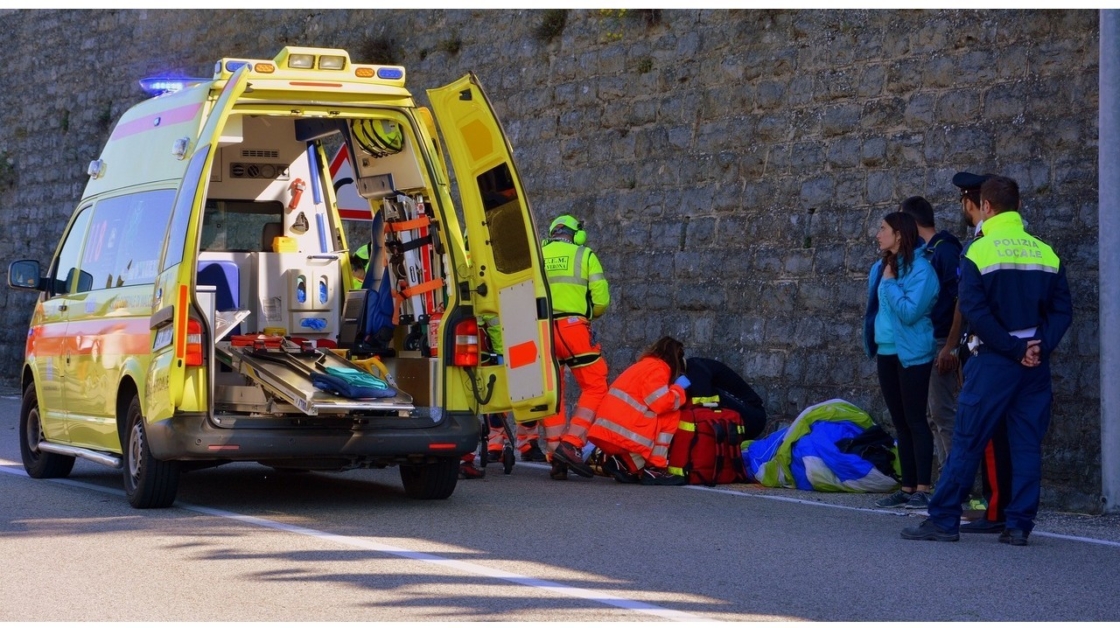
{"x": 310, "y": 63}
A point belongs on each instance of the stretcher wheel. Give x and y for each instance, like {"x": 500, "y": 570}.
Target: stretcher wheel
{"x": 507, "y": 459}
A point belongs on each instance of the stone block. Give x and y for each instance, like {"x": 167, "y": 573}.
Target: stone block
{"x": 840, "y": 120}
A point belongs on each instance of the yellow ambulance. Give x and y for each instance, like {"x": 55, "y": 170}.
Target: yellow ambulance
{"x": 198, "y": 309}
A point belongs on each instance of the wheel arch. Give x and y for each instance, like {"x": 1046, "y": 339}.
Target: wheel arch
{"x": 126, "y": 390}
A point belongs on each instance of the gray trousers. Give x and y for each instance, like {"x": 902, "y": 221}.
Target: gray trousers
{"x": 943, "y": 390}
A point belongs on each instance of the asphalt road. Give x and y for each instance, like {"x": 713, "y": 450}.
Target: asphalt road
{"x": 245, "y": 543}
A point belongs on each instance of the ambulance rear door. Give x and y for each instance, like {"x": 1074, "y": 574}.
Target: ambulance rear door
{"x": 507, "y": 273}
{"x": 171, "y": 320}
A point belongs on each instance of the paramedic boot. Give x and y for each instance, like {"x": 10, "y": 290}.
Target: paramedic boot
{"x": 652, "y": 476}
{"x": 533, "y": 453}
{"x": 467, "y": 471}
{"x": 615, "y": 468}
{"x": 559, "y": 471}
{"x": 569, "y": 455}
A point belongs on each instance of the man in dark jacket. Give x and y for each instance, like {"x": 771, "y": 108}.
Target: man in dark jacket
{"x": 710, "y": 378}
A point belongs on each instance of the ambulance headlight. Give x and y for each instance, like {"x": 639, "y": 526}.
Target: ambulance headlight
{"x": 301, "y": 62}
{"x": 331, "y": 62}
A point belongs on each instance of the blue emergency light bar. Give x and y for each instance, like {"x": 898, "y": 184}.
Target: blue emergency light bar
{"x": 154, "y": 86}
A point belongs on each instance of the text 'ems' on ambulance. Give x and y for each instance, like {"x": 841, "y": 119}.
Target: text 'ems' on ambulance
{"x": 199, "y": 308}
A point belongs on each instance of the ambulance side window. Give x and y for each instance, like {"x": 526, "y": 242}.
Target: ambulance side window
{"x": 67, "y": 264}
{"x": 125, "y": 238}
{"x": 181, "y": 216}
{"x": 505, "y": 219}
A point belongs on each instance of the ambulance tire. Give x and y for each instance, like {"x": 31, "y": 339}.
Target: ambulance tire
{"x": 432, "y": 480}
{"x": 39, "y": 464}
{"x": 148, "y": 482}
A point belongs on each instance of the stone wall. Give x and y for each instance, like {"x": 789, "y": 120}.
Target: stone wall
{"x": 731, "y": 167}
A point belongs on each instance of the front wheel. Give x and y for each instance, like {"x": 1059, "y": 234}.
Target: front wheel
{"x": 39, "y": 464}
{"x": 148, "y": 482}
{"x": 433, "y": 480}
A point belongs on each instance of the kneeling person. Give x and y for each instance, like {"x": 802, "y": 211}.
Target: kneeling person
{"x": 636, "y": 420}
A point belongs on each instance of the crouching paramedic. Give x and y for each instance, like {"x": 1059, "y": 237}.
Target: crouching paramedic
{"x": 579, "y": 294}
{"x": 636, "y": 421}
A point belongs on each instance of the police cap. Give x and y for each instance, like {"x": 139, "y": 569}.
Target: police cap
{"x": 969, "y": 181}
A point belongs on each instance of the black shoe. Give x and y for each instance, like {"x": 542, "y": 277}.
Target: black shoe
{"x": 494, "y": 456}
{"x": 927, "y": 531}
{"x": 1014, "y": 536}
{"x": 533, "y": 453}
{"x": 559, "y": 471}
{"x": 615, "y": 468}
{"x": 982, "y": 526}
{"x": 651, "y": 476}
{"x": 569, "y": 455}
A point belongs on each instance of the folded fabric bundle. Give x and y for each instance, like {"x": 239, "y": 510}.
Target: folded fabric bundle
{"x": 351, "y": 383}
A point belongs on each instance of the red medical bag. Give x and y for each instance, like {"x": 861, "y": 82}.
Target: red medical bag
{"x": 706, "y": 447}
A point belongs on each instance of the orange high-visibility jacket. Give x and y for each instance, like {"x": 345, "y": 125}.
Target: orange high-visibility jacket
{"x": 641, "y": 411}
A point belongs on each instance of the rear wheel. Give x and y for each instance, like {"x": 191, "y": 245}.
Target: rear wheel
{"x": 433, "y": 480}
{"x": 39, "y": 464}
{"x": 148, "y": 482}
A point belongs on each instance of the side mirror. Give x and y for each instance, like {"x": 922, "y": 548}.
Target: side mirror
{"x": 24, "y": 274}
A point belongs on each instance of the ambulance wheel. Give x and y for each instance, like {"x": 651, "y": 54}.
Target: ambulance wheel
{"x": 148, "y": 482}
{"x": 508, "y": 460}
{"x": 433, "y": 480}
{"x": 39, "y": 464}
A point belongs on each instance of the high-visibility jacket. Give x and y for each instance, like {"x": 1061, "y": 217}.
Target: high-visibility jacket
{"x": 1013, "y": 282}
{"x": 575, "y": 280}
{"x": 640, "y": 413}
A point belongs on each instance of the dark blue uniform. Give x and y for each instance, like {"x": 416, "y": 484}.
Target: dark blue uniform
{"x": 1010, "y": 282}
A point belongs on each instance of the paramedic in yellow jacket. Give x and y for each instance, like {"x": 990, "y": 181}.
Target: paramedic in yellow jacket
{"x": 579, "y": 294}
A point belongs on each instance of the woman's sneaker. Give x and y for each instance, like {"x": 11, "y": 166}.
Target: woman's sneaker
{"x": 918, "y": 501}
{"x": 896, "y": 499}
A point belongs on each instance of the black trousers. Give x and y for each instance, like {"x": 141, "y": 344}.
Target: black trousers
{"x": 906, "y": 391}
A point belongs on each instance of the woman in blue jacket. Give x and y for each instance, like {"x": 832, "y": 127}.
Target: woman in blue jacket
{"x": 898, "y": 333}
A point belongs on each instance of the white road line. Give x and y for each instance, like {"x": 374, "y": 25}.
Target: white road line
{"x": 876, "y": 511}
{"x": 593, "y": 595}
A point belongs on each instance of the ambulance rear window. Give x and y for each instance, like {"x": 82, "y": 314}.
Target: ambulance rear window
{"x": 236, "y": 226}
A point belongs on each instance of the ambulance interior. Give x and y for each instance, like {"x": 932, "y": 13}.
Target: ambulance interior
{"x": 275, "y": 264}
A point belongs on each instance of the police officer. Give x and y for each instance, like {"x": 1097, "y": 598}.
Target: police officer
{"x": 580, "y": 294}
{"x": 995, "y": 467}
{"x": 1015, "y": 298}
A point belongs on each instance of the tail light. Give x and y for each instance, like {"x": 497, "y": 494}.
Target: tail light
{"x": 194, "y": 343}
{"x": 466, "y": 343}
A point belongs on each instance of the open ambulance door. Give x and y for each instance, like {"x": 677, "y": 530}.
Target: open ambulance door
{"x": 176, "y": 338}
{"x": 507, "y": 274}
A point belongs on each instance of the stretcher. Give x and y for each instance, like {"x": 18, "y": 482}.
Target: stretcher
{"x": 287, "y": 371}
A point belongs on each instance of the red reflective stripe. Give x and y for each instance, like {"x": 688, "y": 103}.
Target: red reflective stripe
{"x": 186, "y": 113}
{"x": 441, "y": 446}
{"x": 522, "y": 354}
{"x": 355, "y": 214}
{"x": 993, "y": 481}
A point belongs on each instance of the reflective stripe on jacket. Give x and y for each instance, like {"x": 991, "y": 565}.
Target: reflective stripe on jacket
{"x": 575, "y": 279}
